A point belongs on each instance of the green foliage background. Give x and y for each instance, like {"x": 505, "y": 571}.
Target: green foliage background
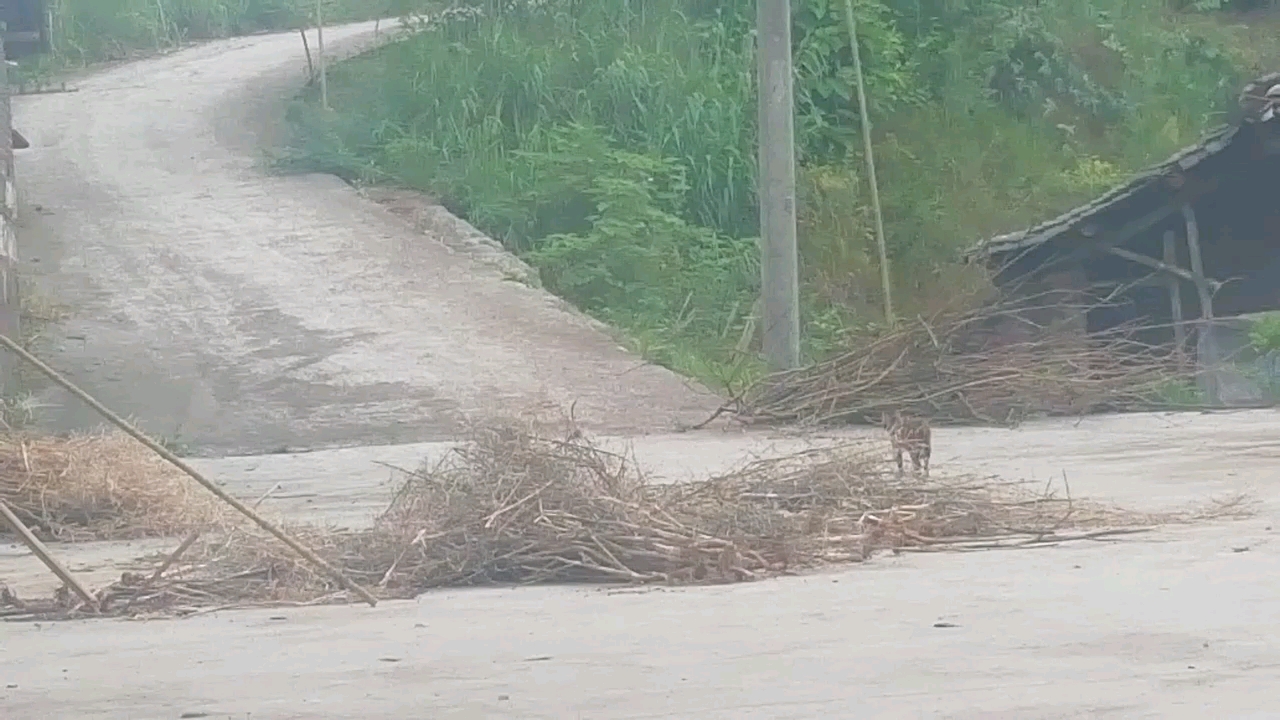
{"x": 90, "y": 31}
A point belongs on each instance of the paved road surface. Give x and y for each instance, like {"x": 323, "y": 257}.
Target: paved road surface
{"x": 1180, "y": 624}
{"x": 237, "y": 312}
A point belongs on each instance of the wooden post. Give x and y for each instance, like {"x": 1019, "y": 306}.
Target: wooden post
{"x": 1206, "y": 343}
{"x": 1175, "y": 296}
{"x": 324, "y": 72}
{"x": 779, "y": 257}
{"x": 306, "y": 48}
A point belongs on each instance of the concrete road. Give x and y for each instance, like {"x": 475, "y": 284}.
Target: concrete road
{"x": 235, "y": 312}
{"x": 1177, "y": 624}
{"x": 1183, "y": 628}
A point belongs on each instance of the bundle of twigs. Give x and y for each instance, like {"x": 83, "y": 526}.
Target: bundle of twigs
{"x": 955, "y": 367}
{"x": 511, "y": 507}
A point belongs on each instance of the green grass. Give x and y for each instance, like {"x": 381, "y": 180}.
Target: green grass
{"x": 86, "y": 32}
{"x": 612, "y": 143}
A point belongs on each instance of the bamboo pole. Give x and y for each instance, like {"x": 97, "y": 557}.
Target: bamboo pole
{"x": 179, "y": 463}
{"x": 324, "y": 72}
{"x": 868, "y": 151}
{"x": 40, "y": 551}
{"x": 306, "y": 48}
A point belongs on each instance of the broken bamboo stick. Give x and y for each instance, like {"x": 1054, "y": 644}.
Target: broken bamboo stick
{"x": 40, "y": 551}
{"x": 178, "y": 462}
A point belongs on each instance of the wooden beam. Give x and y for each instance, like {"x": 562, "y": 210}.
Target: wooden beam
{"x": 1197, "y": 263}
{"x": 1206, "y": 345}
{"x": 1161, "y": 266}
{"x": 1175, "y": 293}
{"x": 1089, "y": 245}
{"x": 1134, "y": 227}
{"x": 1126, "y": 232}
{"x": 1138, "y": 226}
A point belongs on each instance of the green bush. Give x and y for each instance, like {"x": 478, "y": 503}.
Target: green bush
{"x": 1265, "y": 333}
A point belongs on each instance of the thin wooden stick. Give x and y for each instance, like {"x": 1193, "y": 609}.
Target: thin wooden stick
{"x": 865, "y": 121}
{"x": 190, "y": 540}
{"x": 1175, "y": 296}
{"x": 42, "y": 552}
{"x": 173, "y": 557}
{"x": 311, "y": 69}
{"x": 179, "y": 463}
{"x": 324, "y": 72}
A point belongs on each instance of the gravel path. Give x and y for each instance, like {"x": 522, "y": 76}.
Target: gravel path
{"x": 236, "y": 312}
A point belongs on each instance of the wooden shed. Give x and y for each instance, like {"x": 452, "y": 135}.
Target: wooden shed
{"x": 26, "y": 27}
{"x": 1187, "y": 241}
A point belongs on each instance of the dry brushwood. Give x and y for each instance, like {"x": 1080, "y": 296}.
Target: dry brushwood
{"x": 510, "y": 507}
{"x": 950, "y": 368}
{"x": 103, "y": 486}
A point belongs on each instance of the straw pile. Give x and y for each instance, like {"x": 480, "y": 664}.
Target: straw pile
{"x": 949, "y": 367}
{"x": 104, "y": 486}
{"x": 511, "y": 507}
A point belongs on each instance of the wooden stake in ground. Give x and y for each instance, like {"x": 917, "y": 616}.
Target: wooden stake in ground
{"x": 865, "y": 118}
{"x": 306, "y": 48}
{"x": 324, "y": 75}
{"x": 42, "y": 552}
{"x": 178, "y": 462}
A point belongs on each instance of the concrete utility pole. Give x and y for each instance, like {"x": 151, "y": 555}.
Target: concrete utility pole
{"x": 10, "y": 301}
{"x": 779, "y": 264}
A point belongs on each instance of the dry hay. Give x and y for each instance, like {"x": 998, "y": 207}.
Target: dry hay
{"x": 103, "y": 486}
{"x": 952, "y": 367}
{"x": 510, "y": 507}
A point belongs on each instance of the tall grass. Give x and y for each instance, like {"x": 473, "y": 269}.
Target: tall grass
{"x": 89, "y": 31}
{"x": 613, "y": 142}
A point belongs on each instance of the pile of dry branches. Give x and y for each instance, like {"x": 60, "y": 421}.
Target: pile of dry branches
{"x": 511, "y": 507}
{"x": 953, "y": 367}
{"x": 103, "y": 486}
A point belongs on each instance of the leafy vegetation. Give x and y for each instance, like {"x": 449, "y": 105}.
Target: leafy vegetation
{"x": 89, "y": 31}
{"x": 1264, "y": 336}
{"x": 612, "y": 142}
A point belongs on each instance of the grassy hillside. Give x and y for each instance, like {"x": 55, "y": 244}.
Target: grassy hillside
{"x": 90, "y": 31}
{"x": 612, "y": 142}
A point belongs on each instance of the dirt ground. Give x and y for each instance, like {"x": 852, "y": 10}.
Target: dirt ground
{"x": 241, "y": 313}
